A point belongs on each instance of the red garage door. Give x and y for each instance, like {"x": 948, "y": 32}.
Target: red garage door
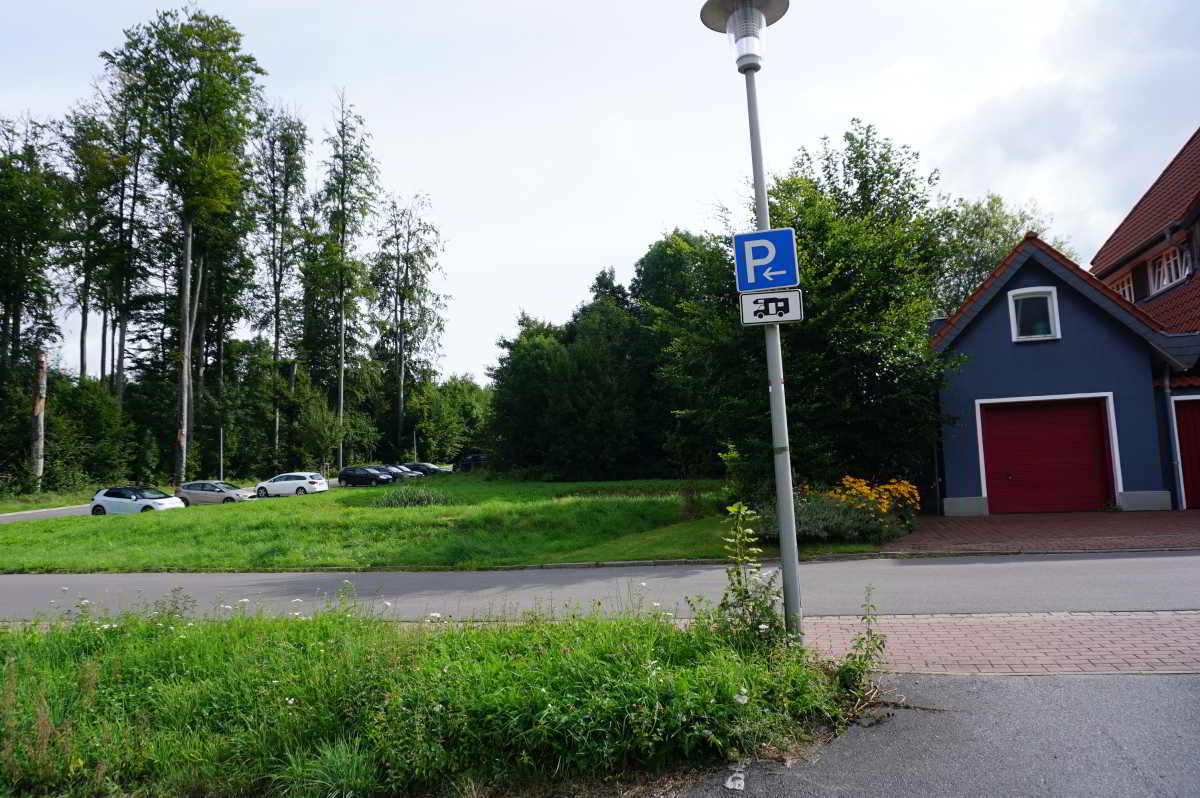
{"x": 1047, "y": 456}
{"x": 1187, "y": 421}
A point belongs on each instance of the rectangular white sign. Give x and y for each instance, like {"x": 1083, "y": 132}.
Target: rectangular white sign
{"x": 773, "y": 307}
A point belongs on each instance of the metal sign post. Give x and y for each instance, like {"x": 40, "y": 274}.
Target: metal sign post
{"x": 785, "y": 509}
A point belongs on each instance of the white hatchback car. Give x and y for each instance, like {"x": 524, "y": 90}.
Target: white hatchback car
{"x": 296, "y": 483}
{"x": 132, "y": 499}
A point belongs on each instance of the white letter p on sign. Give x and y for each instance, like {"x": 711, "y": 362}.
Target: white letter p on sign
{"x": 752, "y": 262}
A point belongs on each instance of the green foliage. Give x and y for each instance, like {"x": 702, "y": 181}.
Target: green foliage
{"x": 866, "y": 653}
{"x": 747, "y": 616}
{"x": 822, "y": 517}
{"x": 334, "y": 702}
{"x": 411, "y": 496}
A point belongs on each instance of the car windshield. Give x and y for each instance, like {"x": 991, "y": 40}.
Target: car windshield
{"x": 148, "y": 493}
{"x": 225, "y": 486}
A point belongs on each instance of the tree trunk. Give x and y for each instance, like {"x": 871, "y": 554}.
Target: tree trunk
{"x": 37, "y": 453}
{"x": 103, "y": 342}
{"x": 185, "y": 354}
{"x": 120, "y": 376}
{"x": 84, "y": 297}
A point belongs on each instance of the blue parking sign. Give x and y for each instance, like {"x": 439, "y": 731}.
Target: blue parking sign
{"x": 765, "y": 260}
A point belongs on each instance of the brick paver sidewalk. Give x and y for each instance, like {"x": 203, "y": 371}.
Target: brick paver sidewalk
{"x": 1054, "y": 532}
{"x": 1053, "y": 642}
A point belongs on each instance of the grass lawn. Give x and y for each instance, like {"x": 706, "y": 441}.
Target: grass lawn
{"x": 482, "y": 523}
{"x": 156, "y": 703}
{"x": 702, "y": 539}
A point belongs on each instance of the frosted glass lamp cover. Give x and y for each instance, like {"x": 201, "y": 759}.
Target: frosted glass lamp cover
{"x": 743, "y": 21}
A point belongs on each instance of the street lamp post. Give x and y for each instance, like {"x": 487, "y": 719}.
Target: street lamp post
{"x": 744, "y": 21}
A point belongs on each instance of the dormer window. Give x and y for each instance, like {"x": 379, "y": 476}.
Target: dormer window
{"x": 1033, "y": 314}
{"x": 1169, "y": 268}
{"x": 1124, "y": 287}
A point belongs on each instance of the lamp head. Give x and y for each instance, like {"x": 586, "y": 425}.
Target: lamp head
{"x": 743, "y": 21}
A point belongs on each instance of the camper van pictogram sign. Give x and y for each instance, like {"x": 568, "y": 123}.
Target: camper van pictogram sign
{"x": 775, "y": 307}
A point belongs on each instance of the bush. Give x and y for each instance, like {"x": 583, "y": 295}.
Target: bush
{"x": 411, "y": 496}
{"x": 852, "y": 512}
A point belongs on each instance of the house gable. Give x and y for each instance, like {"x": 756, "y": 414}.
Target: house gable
{"x": 1180, "y": 351}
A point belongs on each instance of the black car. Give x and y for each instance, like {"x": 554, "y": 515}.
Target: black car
{"x": 363, "y": 475}
{"x": 398, "y": 472}
{"x": 427, "y": 468}
{"x": 471, "y": 461}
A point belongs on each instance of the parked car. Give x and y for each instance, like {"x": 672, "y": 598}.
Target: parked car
{"x": 364, "y": 475}
{"x": 296, "y": 483}
{"x": 399, "y": 471}
{"x": 428, "y": 468}
{"x": 470, "y": 461}
{"x": 132, "y": 499}
{"x": 212, "y": 493}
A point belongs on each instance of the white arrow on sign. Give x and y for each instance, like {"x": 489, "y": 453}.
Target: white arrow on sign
{"x": 773, "y": 273}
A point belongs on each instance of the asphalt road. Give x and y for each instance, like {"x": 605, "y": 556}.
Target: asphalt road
{"x": 49, "y": 512}
{"x": 1031, "y": 583}
{"x": 1005, "y": 737}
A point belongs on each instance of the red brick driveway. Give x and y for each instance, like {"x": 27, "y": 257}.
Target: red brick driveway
{"x": 1054, "y": 532}
{"x": 1024, "y": 642}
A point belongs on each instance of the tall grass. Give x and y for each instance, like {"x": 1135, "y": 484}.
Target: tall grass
{"x": 154, "y": 702}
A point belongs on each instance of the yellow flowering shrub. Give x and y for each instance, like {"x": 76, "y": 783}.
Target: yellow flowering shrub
{"x": 896, "y": 497}
{"x": 856, "y": 510}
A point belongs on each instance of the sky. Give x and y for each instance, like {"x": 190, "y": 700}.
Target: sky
{"x": 556, "y": 139}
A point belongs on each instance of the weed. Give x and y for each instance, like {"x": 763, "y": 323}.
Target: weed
{"x": 747, "y": 616}
{"x": 410, "y": 496}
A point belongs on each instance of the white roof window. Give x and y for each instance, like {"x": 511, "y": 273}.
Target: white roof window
{"x": 1033, "y": 314}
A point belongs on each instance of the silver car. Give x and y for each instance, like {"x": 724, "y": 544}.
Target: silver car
{"x": 212, "y": 493}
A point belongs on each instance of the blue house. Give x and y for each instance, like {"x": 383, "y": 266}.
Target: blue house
{"x": 1074, "y": 389}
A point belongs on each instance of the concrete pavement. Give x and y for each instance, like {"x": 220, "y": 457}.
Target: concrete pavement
{"x": 1004, "y": 737}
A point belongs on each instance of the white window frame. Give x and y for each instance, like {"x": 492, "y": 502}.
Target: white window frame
{"x": 1114, "y": 448}
{"x": 1124, "y": 287}
{"x": 1169, "y": 268}
{"x": 1048, "y": 291}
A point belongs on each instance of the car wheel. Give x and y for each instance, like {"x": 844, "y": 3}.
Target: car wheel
{"x": 262, "y": 493}
{"x": 98, "y": 510}
{"x": 375, "y": 483}
{"x": 228, "y": 500}
{"x": 186, "y": 503}
{"x": 145, "y": 509}
{"x": 300, "y": 491}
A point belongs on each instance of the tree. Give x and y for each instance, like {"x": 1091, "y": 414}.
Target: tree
{"x": 978, "y": 234}
{"x": 409, "y": 245}
{"x": 30, "y": 224}
{"x": 200, "y": 90}
{"x": 279, "y": 171}
{"x": 347, "y": 197}
{"x": 93, "y": 176}
{"x": 862, "y": 382}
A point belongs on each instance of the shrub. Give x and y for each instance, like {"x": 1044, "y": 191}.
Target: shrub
{"x": 855, "y": 511}
{"x": 411, "y": 496}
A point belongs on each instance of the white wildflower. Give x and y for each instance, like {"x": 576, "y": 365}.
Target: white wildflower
{"x": 763, "y": 627}
{"x": 84, "y": 602}
{"x": 226, "y": 607}
{"x": 741, "y": 698}
{"x": 656, "y": 604}
{"x": 435, "y": 615}
{"x": 297, "y": 601}
{"x": 290, "y": 700}
{"x": 387, "y": 603}
{"x": 243, "y": 601}
{"x": 643, "y": 584}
